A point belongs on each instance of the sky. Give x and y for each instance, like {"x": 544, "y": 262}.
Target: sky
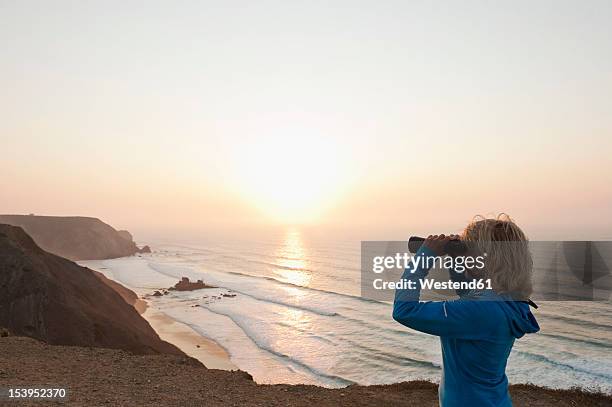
{"x": 374, "y": 118}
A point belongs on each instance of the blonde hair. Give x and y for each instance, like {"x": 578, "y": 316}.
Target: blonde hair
{"x": 508, "y": 261}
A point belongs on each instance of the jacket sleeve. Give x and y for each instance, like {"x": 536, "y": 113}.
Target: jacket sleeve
{"x": 459, "y": 319}
{"x": 456, "y": 276}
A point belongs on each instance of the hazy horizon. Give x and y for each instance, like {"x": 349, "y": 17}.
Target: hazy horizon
{"x": 357, "y": 118}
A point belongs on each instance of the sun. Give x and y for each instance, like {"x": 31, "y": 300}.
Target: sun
{"x": 292, "y": 175}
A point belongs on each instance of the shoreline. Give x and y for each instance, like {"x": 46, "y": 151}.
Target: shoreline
{"x": 207, "y": 351}
{"x": 199, "y": 347}
{"x": 141, "y": 306}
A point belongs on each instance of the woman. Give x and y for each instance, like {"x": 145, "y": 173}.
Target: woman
{"x": 476, "y": 331}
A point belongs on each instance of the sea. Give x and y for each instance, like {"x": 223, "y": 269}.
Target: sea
{"x": 287, "y": 309}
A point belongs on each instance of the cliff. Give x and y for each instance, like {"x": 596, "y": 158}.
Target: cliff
{"x": 75, "y": 237}
{"x": 52, "y": 299}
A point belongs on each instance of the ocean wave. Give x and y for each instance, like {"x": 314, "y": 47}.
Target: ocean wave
{"x": 368, "y": 350}
{"x": 580, "y": 365}
{"x": 575, "y": 321}
{"x": 376, "y": 326}
{"x": 367, "y": 324}
{"x": 393, "y": 358}
{"x": 243, "y": 257}
{"x": 275, "y": 265}
{"x": 577, "y": 340}
{"x": 156, "y": 267}
{"x": 320, "y": 290}
{"x": 337, "y": 380}
{"x": 288, "y": 304}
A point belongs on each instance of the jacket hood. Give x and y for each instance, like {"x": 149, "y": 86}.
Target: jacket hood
{"x": 520, "y": 318}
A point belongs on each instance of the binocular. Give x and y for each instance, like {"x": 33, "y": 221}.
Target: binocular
{"x": 453, "y": 247}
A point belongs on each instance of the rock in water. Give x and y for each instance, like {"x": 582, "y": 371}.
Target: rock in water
{"x": 145, "y": 249}
{"x": 186, "y": 285}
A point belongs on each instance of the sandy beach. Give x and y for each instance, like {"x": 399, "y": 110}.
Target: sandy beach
{"x": 140, "y": 305}
{"x": 186, "y": 339}
{"x": 182, "y": 336}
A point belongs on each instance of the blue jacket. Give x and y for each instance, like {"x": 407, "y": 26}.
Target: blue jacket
{"x": 476, "y": 331}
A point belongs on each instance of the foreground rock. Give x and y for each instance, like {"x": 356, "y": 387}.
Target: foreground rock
{"x": 76, "y": 237}
{"x": 52, "y": 299}
{"x": 122, "y": 379}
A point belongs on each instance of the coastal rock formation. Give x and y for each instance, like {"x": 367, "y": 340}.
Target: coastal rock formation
{"x": 52, "y": 299}
{"x": 75, "y": 237}
{"x": 186, "y": 285}
{"x": 126, "y": 235}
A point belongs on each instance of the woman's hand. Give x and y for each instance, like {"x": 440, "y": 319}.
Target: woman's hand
{"x": 437, "y": 243}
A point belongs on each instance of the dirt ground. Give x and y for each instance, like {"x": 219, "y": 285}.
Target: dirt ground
{"x": 108, "y": 377}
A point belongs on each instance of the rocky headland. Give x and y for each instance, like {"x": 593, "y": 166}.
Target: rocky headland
{"x": 76, "y": 237}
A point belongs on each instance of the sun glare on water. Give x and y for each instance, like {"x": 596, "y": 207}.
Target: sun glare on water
{"x": 291, "y": 177}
